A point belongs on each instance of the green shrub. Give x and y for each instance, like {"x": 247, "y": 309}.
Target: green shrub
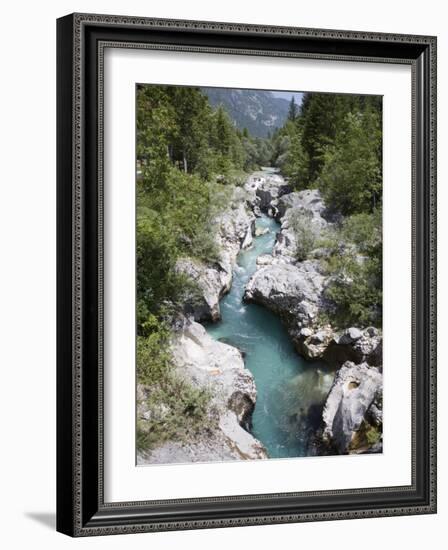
{"x": 351, "y": 176}
{"x": 177, "y": 409}
{"x": 365, "y": 231}
{"x": 373, "y": 435}
{"x": 305, "y": 233}
{"x": 178, "y": 412}
{"x": 354, "y": 267}
{"x": 365, "y": 437}
{"x": 355, "y": 290}
{"x": 204, "y": 246}
{"x": 234, "y": 177}
{"x": 295, "y": 163}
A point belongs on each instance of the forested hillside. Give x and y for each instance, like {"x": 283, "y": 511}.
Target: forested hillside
{"x": 199, "y": 192}
{"x": 334, "y": 144}
{"x": 186, "y": 154}
{"x": 259, "y": 111}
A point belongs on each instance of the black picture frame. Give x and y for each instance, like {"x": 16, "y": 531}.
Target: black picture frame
{"x": 81, "y": 510}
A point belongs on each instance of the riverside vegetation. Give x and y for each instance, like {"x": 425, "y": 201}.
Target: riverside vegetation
{"x": 202, "y": 197}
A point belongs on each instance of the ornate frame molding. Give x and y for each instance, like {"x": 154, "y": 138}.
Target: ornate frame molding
{"x": 81, "y": 42}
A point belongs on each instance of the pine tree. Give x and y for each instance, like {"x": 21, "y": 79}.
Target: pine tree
{"x": 351, "y": 177}
{"x": 293, "y": 109}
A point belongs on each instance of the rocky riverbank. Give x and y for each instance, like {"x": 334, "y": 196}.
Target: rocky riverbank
{"x": 294, "y": 289}
{"x": 206, "y": 364}
{"x": 236, "y": 227}
{"x": 219, "y": 369}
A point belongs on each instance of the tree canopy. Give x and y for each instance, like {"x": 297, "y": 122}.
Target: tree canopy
{"x": 335, "y": 145}
{"x": 183, "y": 145}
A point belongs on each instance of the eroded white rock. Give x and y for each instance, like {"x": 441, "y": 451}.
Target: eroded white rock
{"x": 219, "y": 368}
{"x": 354, "y": 389}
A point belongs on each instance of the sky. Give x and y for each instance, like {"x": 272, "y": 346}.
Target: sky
{"x": 287, "y": 95}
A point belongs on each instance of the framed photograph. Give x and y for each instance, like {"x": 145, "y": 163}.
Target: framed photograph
{"x": 246, "y": 274}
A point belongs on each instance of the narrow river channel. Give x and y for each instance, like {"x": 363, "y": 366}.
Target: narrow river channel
{"x": 289, "y": 388}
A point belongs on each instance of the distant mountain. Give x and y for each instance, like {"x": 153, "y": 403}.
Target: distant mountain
{"x": 258, "y": 111}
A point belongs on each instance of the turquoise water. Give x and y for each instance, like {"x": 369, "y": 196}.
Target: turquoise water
{"x": 290, "y": 390}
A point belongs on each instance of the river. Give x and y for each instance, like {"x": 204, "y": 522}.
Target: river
{"x": 290, "y": 390}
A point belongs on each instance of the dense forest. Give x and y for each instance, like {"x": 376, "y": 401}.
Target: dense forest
{"x": 333, "y": 143}
{"x": 189, "y": 152}
{"x": 189, "y": 156}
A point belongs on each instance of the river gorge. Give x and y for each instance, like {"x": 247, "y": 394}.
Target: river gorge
{"x": 286, "y": 384}
{"x": 283, "y": 381}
